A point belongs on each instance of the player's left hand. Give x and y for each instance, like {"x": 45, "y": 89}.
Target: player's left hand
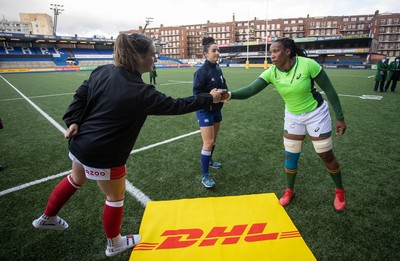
{"x": 340, "y": 127}
{"x": 72, "y": 131}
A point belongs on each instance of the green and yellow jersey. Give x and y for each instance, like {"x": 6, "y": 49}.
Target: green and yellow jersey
{"x": 296, "y": 87}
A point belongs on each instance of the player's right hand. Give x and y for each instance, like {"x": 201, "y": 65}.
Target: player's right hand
{"x": 216, "y": 94}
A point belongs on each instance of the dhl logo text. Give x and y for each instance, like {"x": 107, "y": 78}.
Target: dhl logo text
{"x": 183, "y": 238}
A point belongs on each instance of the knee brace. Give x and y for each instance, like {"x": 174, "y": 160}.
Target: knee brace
{"x": 291, "y": 160}
{"x": 321, "y": 146}
{"x": 293, "y": 146}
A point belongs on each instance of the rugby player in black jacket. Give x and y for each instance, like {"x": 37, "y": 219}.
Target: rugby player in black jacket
{"x": 104, "y": 121}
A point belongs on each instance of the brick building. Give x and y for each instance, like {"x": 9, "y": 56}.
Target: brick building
{"x": 184, "y": 42}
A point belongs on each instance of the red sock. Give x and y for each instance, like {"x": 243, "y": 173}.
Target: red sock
{"x": 60, "y": 195}
{"x": 112, "y": 217}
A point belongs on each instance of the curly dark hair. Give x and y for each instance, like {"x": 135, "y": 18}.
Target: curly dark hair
{"x": 291, "y": 45}
{"x": 207, "y": 41}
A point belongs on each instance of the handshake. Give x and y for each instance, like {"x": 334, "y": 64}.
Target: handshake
{"x": 220, "y": 95}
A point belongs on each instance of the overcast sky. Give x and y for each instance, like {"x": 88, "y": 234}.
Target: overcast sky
{"x": 87, "y": 17}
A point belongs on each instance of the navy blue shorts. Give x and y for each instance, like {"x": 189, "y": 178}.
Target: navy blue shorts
{"x": 206, "y": 118}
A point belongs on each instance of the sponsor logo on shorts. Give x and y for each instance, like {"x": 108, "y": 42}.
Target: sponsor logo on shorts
{"x": 95, "y": 173}
{"x": 316, "y": 129}
{"x": 298, "y": 76}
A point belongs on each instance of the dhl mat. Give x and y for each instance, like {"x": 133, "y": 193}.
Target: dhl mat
{"x": 248, "y": 227}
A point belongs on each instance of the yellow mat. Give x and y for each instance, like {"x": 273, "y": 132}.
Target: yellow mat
{"x": 248, "y": 227}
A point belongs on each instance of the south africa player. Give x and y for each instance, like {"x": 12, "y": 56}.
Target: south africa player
{"x": 306, "y": 112}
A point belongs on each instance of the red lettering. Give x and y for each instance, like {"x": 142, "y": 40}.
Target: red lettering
{"x": 255, "y": 233}
{"x": 174, "y": 239}
{"x": 94, "y": 173}
{"x": 231, "y": 237}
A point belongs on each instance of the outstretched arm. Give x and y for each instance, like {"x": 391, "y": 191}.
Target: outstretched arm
{"x": 246, "y": 92}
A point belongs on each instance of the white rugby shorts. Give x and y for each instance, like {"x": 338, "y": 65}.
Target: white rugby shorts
{"x": 314, "y": 123}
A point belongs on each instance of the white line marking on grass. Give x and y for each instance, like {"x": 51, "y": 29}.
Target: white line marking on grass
{"x": 364, "y": 96}
{"x": 372, "y": 76}
{"x": 164, "y": 142}
{"x": 55, "y": 124}
{"x": 130, "y": 188}
{"x": 4, "y": 192}
{"x": 343, "y": 75}
{"x": 39, "y": 96}
{"x": 136, "y": 193}
{"x": 172, "y": 82}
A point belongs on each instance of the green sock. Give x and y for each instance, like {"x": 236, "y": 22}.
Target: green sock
{"x": 290, "y": 177}
{"x": 336, "y": 176}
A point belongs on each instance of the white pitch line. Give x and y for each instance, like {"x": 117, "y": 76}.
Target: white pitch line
{"x": 175, "y": 82}
{"x": 136, "y": 193}
{"x": 4, "y": 192}
{"x": 55, "y": 124}
{"x": 164, "y": 142}
{"x": 130, "y": 188}
{"x": 39, "y": 96}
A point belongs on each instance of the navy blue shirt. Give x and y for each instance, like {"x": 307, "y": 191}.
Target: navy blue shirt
{"x": 206, "y": 78}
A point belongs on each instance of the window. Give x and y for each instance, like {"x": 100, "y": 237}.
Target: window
{"x": 345, "y": 19}
{"x": 361, "y": 18}
{"x": 353, "y": 19}
{"x": 293, "y": 21}
{"x": 285, "y": 22}
{"x": 383, "y": 21}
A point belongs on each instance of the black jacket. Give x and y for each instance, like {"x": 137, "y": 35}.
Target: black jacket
{"x": 111, "y": 108}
